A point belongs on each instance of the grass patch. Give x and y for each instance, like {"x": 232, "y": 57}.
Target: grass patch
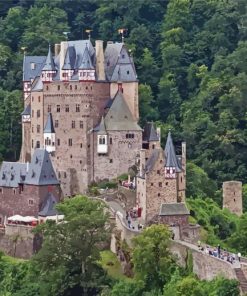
{"x": 111, "y": 264}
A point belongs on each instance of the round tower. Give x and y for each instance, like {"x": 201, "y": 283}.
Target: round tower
{"x": 232, "y": 197}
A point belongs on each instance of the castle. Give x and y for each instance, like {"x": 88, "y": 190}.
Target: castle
{"x": 80, "y": 125}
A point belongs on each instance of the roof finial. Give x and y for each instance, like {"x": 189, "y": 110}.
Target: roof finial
{"x": 66, "y": 35}
{"x": 24, "y": 49}
{"x": 121, "y": 32}
{"x": 88, "y": 31}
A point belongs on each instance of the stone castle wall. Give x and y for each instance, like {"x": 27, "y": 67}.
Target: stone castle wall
{"x": 232, "y": 197}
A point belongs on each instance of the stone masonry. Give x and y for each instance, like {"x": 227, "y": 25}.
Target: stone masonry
{"x": 232, "y": 197}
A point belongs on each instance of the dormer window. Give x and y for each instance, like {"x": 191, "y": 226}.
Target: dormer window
{"x": 12, "y": 177}
{"x": 3, "y": 176}
{"x": 33, "y": 66}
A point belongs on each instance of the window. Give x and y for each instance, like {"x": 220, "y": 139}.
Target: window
{"x": 65, "y": 175}
{"x": 30, "y": 202}
{"x": 47, "y": 87}
{"x": 123, "y": 56}
{"x": 56, "y": 123}
{"x": 38, "y": 113}
{"x": 32, "y": 113}
{"x": 58, "y": 108}
{"x": 1, "y": 190}
{"x": 70, "y": 87}
{"x": 166, "y": 183}
{"x": 158, "y": 172}
{"x": 81, "y": 145}
{"x": 58, "y": 87}
{"x": 102, "y": 140}
{"x": 32, "y": 128}
{"x": 73, "y": 124}
{"x": 110, "y": 141}
{"x": 38, "y": 128}
{"x": 111, "y": 161}
{"x": 47, "y": 142}
{"x": 49, "y": 108}
{"x": 128, "y": 72}
{"x": 81, "y": 124}
{"x": 39, "y": 99}
{"x": 130, "y": 136}
{"x": 32, "y": 143}
{"x": 38, "y": 144}
{"x": 70, "y": 142}
{"x": 77, "y": 108}
{"x": 152, "y": 184}
{"x": 66, "y": 108}
{"x": 158, "y": 194}
{"x": 58, "y": 142}
{"x": 75, "y": 87}
{"x": 153, "y": 146}
{"x": 160, "y": 184}
{"x": 71, "y": 156}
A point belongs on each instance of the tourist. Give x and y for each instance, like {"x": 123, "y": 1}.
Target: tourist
{"x": 239, "y": 256}
{"x": 218, "y": 248}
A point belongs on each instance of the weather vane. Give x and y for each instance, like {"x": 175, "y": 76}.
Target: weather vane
{"x": 66, "y": 34}
{"x": 121, "y": 32}
{"x": 88, "y": 31}
{"x": 24, "y": 49}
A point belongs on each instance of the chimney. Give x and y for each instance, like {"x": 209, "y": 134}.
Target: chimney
{"x": 57, "y": 49}
{"x": 184, "y": 156}
{"x": 63, "y": 50}
{"x": 142, "y": 162}
{"x": 158, "y": 132}
{"x": 100, "y": 60}
{"x": 27, "y": 166}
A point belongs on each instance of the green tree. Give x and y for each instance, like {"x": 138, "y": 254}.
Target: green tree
{"x": 152, "y": 260}
{"x": 68, "y": 260}
{"x": 147, "y": 112}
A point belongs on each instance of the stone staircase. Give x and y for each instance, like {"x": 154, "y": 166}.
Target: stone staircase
{"x": 242, "y": 280}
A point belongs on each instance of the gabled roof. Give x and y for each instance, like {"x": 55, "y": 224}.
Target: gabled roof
{"x": 86, "y": 62}
{"x": 119, "y": 117}
{"x": 152, "y": 160}
{"x": 170, "y": 154}
{"x": 32, "y": 66}
{"x": 41, "y": 171}
{"x": 149, "y": 133}
{"x": 48, "y": 206}
{"x": 27, "y": 110}
{"x": 173, "y": 209}
{"x": 49, "y": 128}
{"x": 112, "y": 53}
{"x": 124, "y": 72}
{"x": 12, "y": 174}
{"x": 49, "y": 62}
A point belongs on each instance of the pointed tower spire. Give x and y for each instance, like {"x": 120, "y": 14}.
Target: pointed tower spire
{"x": 86, "y": 62}
{"x": 171, "y": 164}
{"x": 67, "y": 65}
{"x": 49, "y": 128}
{"x": 49, "y": 63}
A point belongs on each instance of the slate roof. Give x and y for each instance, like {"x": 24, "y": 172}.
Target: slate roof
{"x": 119, "y": 117}
{"x": 152, "y": 160}
{"x": 27, "y": 110}
{"x": 68, "y": 56}
{"x": 41, "y": 171}
{"x": 112, "y": 53}
{"x": 108, "y": 104}
{"x": 123, "y": 72}
{"x": 37, "y": 84}
{"x": 12, "y": 174}
{"x": 170, "y": 154}
{"x": 173, "y": 209}
{"x": 49, "y": 128}
{"x": 28, "y": 72}
{"x": 86, "y": 62}
{"x": 149, "y": 133}
{"x": 101, "y": 127}
{"x": 49, "y": 62}
{"x": 48, "y": 206}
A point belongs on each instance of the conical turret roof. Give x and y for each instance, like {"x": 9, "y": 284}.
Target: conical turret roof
{"x": 170, "y": 154}
{"x": 101, "y": 128}
{"x": 49, "y": 62}
{"x": 149, "y": 134}
{"x": 86, "y": 62}
{"x": 49, "y": 128}
{"x": 67, "y": 64}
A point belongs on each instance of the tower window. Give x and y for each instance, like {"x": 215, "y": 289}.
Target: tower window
{"x": 66, "y": 108}
{"x": 73, "y": 124}
{"x": 102, "y": 140}
{"x": 39, "y": 99}
{"x": 77, "y": 108}
{"x": 38, "y": 144}
{"x": 75, "y": 87}
{"x": 152, "y": 184}
{"x": 30, "y": 202}
{"x": 38, "y": 128}
{"x": 32, "y": 113}
{"x": 110, "y": 141}
{"x": 123, "y": 56}
{"x": 56, "y": 123}
{"x": 47, "y": 87}
{"x": 32, "y": 143}
{"x": 70, "y": 87}
{"x": 58, "y": 87}
{"x": 158, "y": 194}
{"x": 160, "y": 184}
{"x": 32, "y": 128}
{"x": 111, "y": 161}
{"x": 70, "y": 142}
{"x": 38, "y": 113}
{"x": 158, "y": 172}
{"x": 81, "y": 124}
{"x": 58, "y": 142}
{"x": 128, "y": 72}
{"x": 49, "y": 108}
{"x": 58, "y": 108}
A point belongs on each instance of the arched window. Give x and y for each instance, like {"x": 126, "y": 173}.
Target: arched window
{"x": 102, "y": 140}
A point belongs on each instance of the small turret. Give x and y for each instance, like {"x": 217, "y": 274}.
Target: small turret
{"x": 26, "y": 114}
{"x": 171, "y": 162}
{"x": 49, "y": 135}
{"x": 67, "y": 70}
{"x": 49, "y": 69}
{"x": 102, "y": 145}
{"x": 86, "y": 69}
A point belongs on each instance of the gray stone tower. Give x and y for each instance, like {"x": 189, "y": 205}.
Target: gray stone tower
{"x": 232, "y": 197}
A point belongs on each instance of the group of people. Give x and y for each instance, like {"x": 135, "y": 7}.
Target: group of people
{"x": 219, "y": 253}
{"x": 132, "y": 215}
